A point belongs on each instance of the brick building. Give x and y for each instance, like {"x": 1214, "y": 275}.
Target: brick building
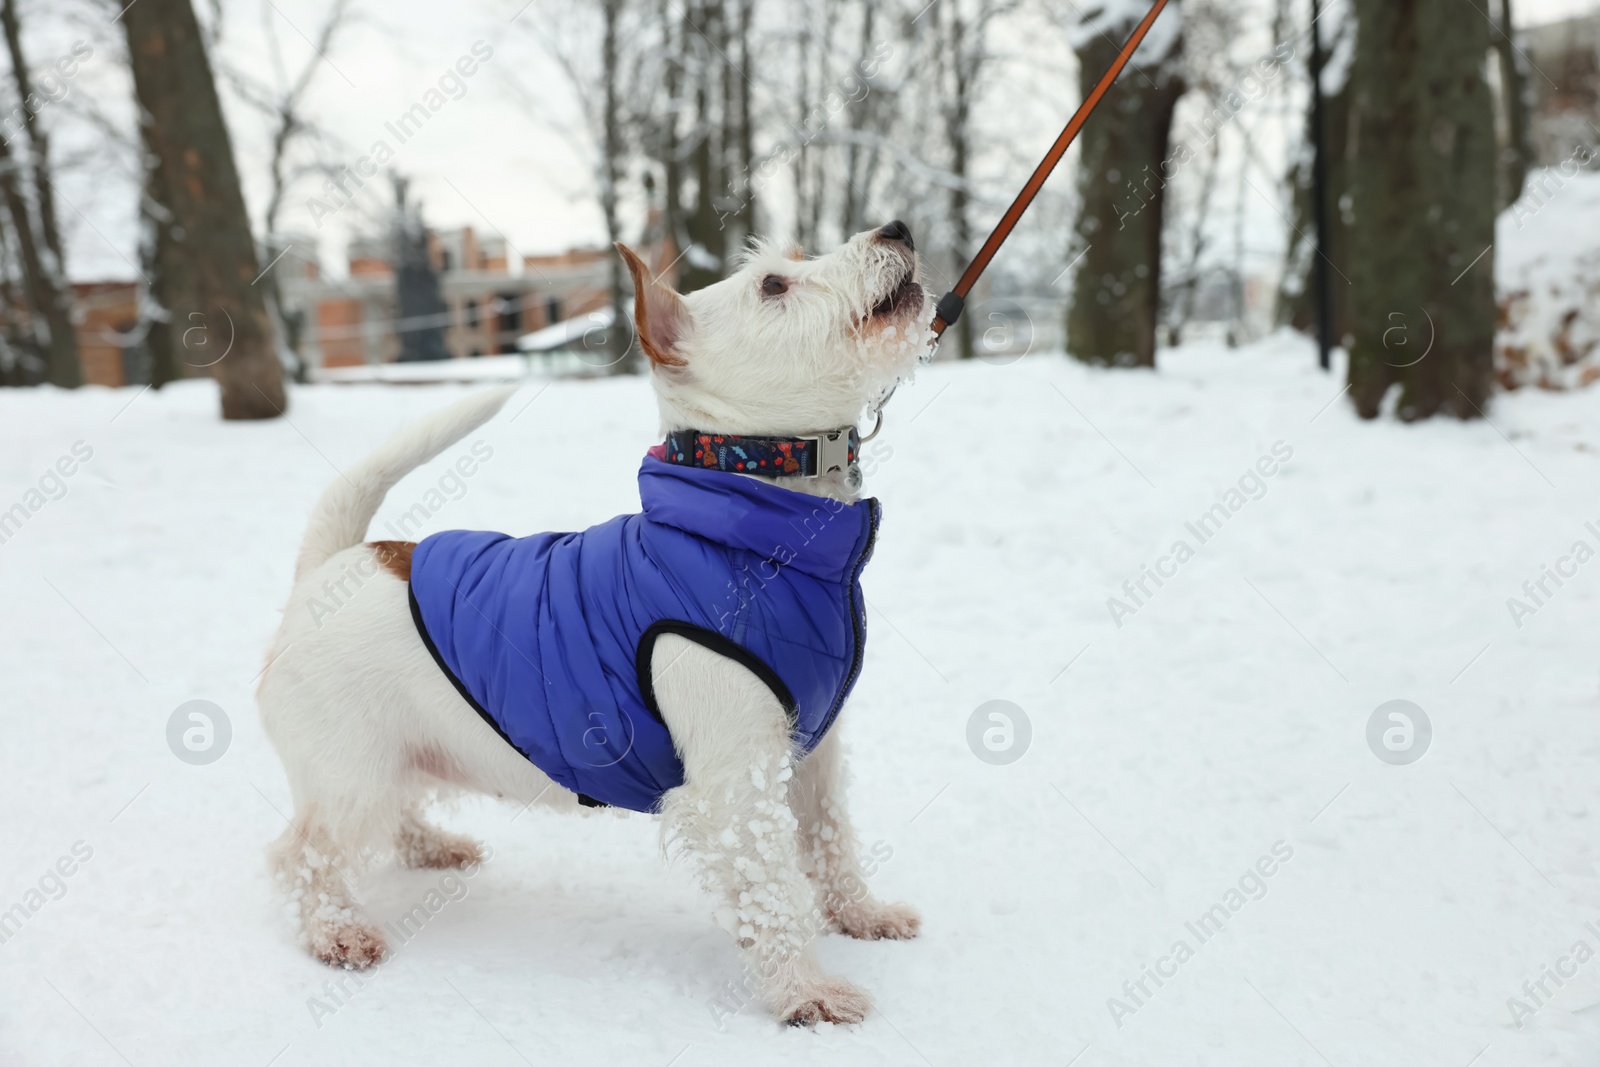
{"x": 352, "y": 321}
{"x": 106, "y": 317}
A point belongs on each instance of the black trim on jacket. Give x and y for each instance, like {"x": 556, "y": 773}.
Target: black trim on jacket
{"x": 717, "y": 643}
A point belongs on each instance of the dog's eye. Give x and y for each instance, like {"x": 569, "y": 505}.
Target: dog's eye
{"x": 772, "y": 285}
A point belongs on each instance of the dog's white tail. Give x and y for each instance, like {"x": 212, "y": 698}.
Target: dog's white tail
{"x": 342, "y": 516}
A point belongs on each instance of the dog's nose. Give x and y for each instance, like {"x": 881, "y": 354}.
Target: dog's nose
{"x": 897, "y": 231}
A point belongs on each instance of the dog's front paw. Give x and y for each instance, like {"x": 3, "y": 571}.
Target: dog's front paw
{"x": 826, "y": 1000}
{"x": 355, "y": 946}
{"x": 872, "y": 920}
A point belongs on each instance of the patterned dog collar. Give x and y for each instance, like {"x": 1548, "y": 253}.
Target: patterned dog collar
{"x": 811, "y": 456}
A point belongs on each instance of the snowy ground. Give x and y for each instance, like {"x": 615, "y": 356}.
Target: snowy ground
{"x": 1547, "y": 275}
{"x": 1226, "y": 716}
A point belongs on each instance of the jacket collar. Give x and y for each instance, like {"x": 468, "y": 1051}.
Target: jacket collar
{"x": 815, "y": 535}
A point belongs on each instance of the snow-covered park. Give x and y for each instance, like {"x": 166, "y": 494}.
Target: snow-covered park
{"x": 1185, "y": 842}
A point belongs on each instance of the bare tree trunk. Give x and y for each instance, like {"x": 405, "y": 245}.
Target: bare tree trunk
{"x": 706, "y": 260}
{"x": 810, "y": 157}
{"x": 52, "y": 322}
{"x": 169, "y": 279}
{"x": 291, "y": 323}
{"x": 746, "y": 122}
{"x": 621, "y": 356}
{"x": 284, "y": 106}
{"x": 965, "y": 57}
{"x": 859, "y": 158}
{"x": 50, "y": 292}
{"x": 1422, "y": 168}
{"x": 187, "y": 140}
{"x": 675, "y": 52}
{"x": 1116, "y": 292}
{"x": 38, "y": 137}
{"x": 20, "y": 362}
{"x": 1297, "y": 302}
{"x": 1180, "y": 307}
{"x": 804, "y": 216}
{"x": 809, "y": 118}
{"x": 727, "y": 200}
{"x": 1517, "y": 156}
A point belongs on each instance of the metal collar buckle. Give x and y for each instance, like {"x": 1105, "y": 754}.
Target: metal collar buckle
{"x": 833, "y": 451}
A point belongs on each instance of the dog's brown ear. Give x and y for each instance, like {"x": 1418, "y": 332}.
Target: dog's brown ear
{"x": 658, "y": 312}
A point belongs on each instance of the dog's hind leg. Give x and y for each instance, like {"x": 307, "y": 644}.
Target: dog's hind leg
{"x": 732, "y": 816}
{"x": 346, "y": 771}
{"x": 419, "y": 843}
{"x": 830, "y": 853}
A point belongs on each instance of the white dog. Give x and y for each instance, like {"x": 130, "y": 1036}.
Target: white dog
{"x": 370, "y": 728}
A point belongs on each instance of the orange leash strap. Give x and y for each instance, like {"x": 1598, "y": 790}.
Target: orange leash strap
{"x": 951, "y": 303}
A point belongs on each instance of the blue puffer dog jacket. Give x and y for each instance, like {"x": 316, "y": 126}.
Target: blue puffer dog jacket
{"x": 549, "y": 637}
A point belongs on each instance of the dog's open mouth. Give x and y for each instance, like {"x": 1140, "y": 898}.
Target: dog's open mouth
{"x": 903, "y": 297}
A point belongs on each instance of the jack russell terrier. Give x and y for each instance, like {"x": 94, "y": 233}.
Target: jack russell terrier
{"x": 689, "y": 660}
